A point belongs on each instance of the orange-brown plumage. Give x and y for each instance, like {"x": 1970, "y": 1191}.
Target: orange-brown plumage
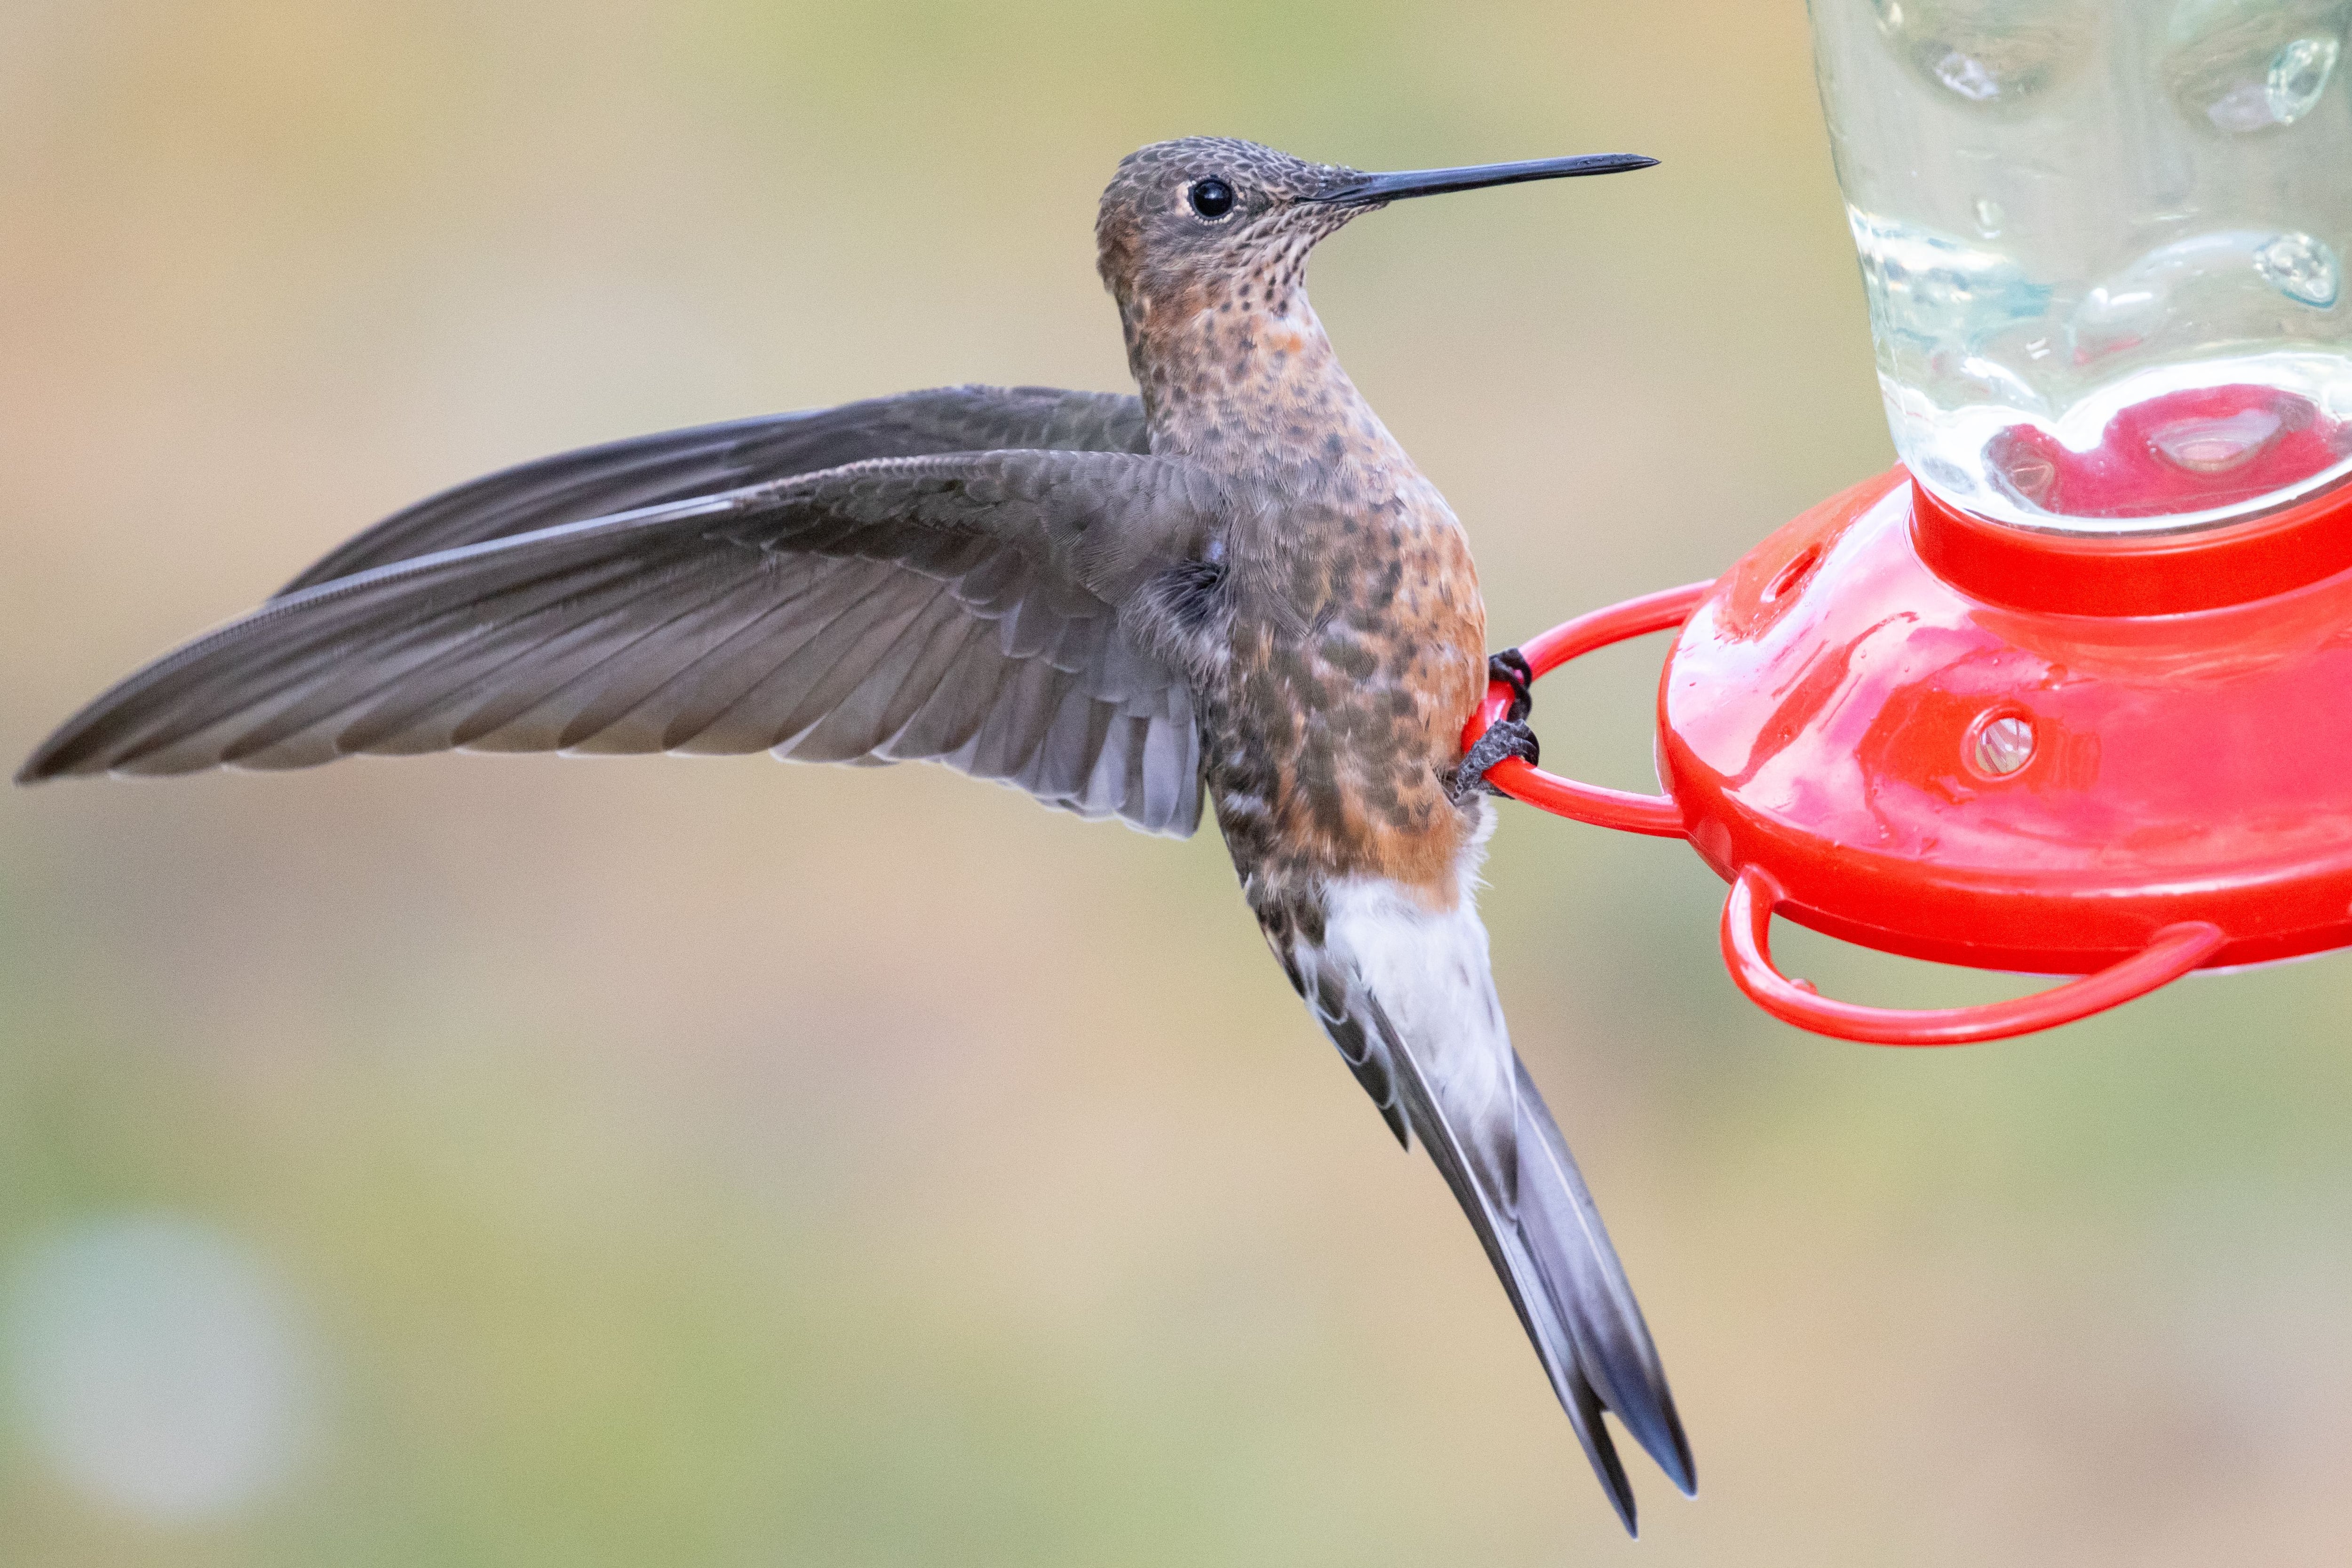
{"x": 1333, "y": 626}
{"x": 1355, "y": 635}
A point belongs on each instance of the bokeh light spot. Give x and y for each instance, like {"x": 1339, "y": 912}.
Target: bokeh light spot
{"x": 155, "y": 1363}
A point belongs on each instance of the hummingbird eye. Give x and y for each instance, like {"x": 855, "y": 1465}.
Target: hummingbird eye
{"x": 1212, "y": 197}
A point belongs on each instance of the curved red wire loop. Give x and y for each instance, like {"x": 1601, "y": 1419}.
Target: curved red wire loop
{"x": 1652, "y": 814}
{"x": 2170, "y": 953}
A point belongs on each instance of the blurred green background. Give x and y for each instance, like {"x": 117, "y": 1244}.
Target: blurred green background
{"x": 520, "y": 1160}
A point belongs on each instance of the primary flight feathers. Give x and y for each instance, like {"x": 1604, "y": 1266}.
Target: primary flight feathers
{"x": 682, "y": 465}
{"x": 957, "y": 607}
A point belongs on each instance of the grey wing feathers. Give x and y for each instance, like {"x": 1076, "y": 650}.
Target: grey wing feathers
{"x": 958, "y": 609}
{"x": 680, "y": 464}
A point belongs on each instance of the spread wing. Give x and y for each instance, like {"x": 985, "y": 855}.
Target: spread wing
{"x": 680, "y": 465}
{"x": 963, "y": 609}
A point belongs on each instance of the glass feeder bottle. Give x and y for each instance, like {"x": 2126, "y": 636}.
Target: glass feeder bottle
{"x": 2103, "y": 244}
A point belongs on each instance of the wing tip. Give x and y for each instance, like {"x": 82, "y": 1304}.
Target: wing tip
{"x": 54, "y": 758}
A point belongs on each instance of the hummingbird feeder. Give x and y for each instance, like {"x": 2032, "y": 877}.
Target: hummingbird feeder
{"x": 2069, "y": 691}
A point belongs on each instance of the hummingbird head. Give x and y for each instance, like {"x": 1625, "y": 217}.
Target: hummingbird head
{"x": 1209, "y": 221}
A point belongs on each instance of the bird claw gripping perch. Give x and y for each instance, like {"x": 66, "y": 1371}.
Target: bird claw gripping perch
{"x": 1508, "y": 736}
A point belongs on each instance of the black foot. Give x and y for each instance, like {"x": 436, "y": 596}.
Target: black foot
{"x": 1505, "y": 737}
{"x": 1511, "y": 668}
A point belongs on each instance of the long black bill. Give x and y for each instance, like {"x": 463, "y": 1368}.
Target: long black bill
{"x": 1365, "y": 189}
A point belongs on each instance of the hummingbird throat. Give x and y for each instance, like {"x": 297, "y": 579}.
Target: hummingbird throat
{"x": 1246, "y": 375}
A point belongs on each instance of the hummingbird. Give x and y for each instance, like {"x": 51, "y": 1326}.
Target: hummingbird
{"x": 1233, "y": 589}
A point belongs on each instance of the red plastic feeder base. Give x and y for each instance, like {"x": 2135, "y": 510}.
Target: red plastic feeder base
{"x": 2122, "y": 758}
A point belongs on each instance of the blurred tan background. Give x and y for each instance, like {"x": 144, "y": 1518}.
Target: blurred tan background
{"x": 520, "y": 1160}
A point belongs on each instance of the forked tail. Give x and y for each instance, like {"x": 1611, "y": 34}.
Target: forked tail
{"x": 1406, "y": 995}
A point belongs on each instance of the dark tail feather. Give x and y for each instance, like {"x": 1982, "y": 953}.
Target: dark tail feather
{"x": 1564, "y": 1281}
{"x": 1562, "y": 1230}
